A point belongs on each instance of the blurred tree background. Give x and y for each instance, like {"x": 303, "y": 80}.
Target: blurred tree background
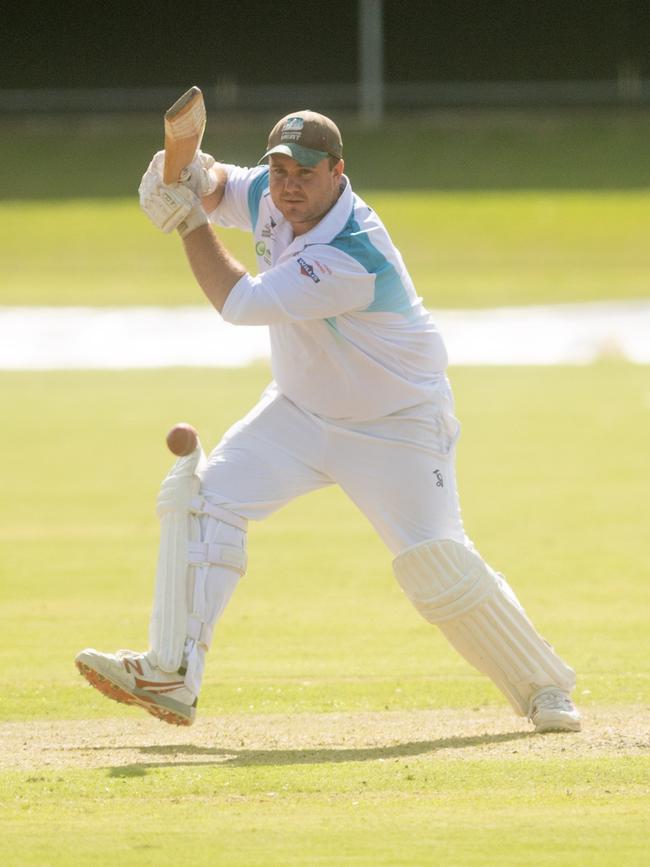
{"x": 126, "y": 44}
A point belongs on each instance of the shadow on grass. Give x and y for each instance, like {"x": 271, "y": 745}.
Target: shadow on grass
{"x": 258, "y": 758}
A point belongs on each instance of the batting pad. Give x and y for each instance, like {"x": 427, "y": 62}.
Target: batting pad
{"x": 478, "y": 612}
{"x": 192, "y": 543}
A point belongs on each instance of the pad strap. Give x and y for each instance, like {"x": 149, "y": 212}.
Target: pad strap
{"x": 200, "y": 631}
{"x": 216, "y": 554}
{"x": 201, "y": 506}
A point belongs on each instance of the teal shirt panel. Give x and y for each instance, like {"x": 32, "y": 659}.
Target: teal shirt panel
{"x": 255, "y": 193}
{"x": 391, "y": 295}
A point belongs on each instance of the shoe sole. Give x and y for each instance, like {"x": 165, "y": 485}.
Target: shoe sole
{"x": 558, "y": 726}
{"x": 558, "y": 729}
{"x": 159, "y": 706}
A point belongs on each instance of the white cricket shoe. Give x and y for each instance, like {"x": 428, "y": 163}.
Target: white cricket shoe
{"x": 551, "y": 710}
{"x": 134, "y": 678}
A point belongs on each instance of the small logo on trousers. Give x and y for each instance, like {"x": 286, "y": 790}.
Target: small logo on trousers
{"x": 439, "y": 481}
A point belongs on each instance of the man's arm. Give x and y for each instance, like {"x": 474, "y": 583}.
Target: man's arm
{"x": 215, "y": 270}
{"x": 184, "y": 206}
{"x": 211, "y": 203}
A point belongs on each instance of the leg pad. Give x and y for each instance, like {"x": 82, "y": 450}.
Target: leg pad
{"x": 197, "y": 540}
{"x": 478, "y": 612}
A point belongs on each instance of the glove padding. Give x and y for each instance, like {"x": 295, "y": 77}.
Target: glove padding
{"x": 196, "y": 217}
{"x": 171, "y": 206}
{"x": 166, "y": 206}
{"x": 201, "y": 175}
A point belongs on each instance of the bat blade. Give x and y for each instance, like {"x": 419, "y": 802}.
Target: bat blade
{"x": 184, "y": 127}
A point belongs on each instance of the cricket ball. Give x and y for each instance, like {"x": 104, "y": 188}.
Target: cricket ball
{"x": 182, "y": 439}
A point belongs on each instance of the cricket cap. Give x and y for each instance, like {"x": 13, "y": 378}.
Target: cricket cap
{"x": 306, "y": 136}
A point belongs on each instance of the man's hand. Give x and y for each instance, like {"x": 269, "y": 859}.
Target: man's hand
{"x": 169, "y": 206}
{"x": 201, "y": 176}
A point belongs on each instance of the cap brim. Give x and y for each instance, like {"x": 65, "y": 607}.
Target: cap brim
{"x": 304, "y": 156}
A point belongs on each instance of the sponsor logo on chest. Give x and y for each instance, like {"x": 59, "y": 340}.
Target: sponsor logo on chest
{"x": 264, "y": 252}
{"x": 263, "y": 246}
{"x": 268, "y": 227}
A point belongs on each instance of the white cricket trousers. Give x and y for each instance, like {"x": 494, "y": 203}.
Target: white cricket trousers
{"x": 398, "y": 470}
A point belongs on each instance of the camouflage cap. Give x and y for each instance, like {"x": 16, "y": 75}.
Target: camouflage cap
{"x": 306, "y": 136}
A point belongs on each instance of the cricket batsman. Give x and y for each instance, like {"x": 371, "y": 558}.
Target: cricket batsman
{"x": 359, "y": 398}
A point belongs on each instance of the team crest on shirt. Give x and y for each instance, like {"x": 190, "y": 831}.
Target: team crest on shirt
{"x": 307, "y": 271}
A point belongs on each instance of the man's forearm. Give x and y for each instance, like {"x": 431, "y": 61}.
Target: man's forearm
{"x": 215, "y": 270}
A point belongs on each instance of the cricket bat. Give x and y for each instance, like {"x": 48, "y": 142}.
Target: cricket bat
{"x": 184, "y": 126}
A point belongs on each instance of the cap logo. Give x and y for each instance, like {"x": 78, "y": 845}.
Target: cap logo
{"x": 292, "y": 129}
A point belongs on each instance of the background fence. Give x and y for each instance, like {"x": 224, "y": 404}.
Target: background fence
{"x": 230, "y": 95}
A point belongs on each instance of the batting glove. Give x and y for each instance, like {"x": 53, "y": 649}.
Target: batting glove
{"x": 201, "y": 175}
{"x": 169, "y": 206}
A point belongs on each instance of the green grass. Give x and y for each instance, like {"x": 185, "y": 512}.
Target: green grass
{"x": 462, "y": 250}
{"x": 553, "y": 493}
{"x": 465, "y": 813}
{"x": 550, "y": 477}
{"x": 487, "y": 208}
{"x": 105, "y": 156}
{"x": 549, "y": 472}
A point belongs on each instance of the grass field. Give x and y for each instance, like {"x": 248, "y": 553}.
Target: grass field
{"x": 335, "y": 726}
{"x": 102, "y": 157}
{"x": 463, "y": 250}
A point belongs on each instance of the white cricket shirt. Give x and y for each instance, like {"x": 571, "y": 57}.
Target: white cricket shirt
{"x": 350, "y": 338}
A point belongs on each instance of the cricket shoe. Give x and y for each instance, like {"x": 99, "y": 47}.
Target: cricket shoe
{"x": 551, "y": 710}
{"x": 134, "y": 678}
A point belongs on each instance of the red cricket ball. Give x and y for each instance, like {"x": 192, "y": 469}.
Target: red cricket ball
{"x": 182, "y": 439}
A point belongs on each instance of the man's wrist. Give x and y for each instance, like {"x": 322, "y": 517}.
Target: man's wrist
{"x": 196, "y": 218}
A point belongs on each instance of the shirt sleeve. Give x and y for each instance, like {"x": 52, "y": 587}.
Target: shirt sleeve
{"x": 317, "y": 283}
{"x": 239, "y": 206}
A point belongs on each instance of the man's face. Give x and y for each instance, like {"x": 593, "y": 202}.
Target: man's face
{"x": 303, "y": 195}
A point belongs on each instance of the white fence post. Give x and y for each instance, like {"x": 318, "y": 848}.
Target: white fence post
{"x": 371, "y": 62}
